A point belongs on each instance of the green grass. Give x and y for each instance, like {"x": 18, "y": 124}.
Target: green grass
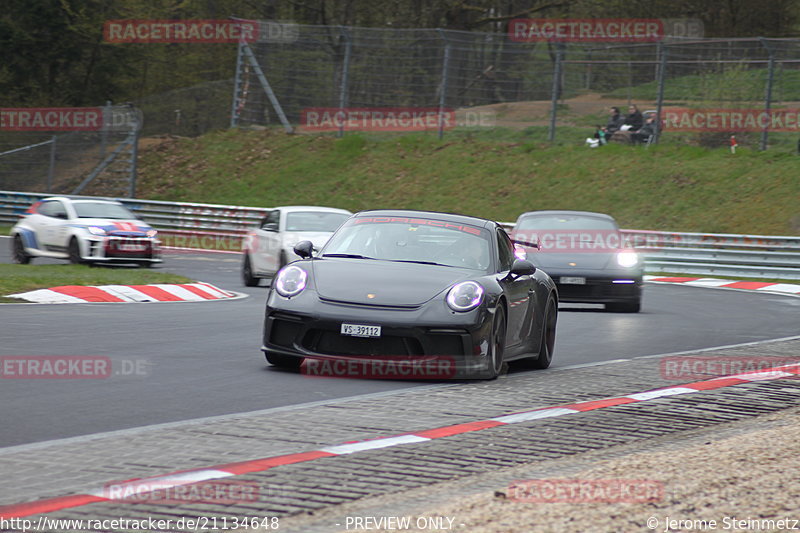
{"x": 21, "y": 278}
{"x": 735, "y": 83}
{"x": 494, "y": 173}
{"x": 4, "y": 229}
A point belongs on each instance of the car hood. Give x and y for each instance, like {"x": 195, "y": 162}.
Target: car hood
{"x": 127, "y": 228}
{"x": 582, "y": 261}
{"x": 390, "y": 284}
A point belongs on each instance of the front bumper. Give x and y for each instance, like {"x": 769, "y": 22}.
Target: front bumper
{"x": 111, "y": 249}
{"x": 429, "y": 342}
{"x": 609, "y": 287}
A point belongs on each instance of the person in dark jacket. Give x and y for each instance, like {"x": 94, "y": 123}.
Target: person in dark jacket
{"x": 615, "y": 121}
{"x": 645, "y": 132}
{"x": 634, "y": 119}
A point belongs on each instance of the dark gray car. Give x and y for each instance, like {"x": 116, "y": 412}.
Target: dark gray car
{"x": 586, "y": 255}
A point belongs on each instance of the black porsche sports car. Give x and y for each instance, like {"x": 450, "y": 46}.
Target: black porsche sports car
{"x": 428, "y": 295}
{"x": 586, "y": 255}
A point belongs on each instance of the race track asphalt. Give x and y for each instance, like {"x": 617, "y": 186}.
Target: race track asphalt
{"x": 202, "y": 359}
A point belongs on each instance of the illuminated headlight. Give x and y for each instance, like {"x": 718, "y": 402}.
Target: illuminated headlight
{"x": 95, "y": 230}
{"x": 627, "y": 259}
{"x": 151, "y": 233}
{"x": 465, "y": 296}
{"x": 290, "y": 281}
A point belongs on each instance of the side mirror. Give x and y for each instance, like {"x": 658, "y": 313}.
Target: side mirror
{"x": 270, "y": 226}
{"x": 522, "y": 267}
{"x": 304, "y": 249}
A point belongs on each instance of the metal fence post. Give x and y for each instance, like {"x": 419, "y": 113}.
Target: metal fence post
{"x": 661, "y": 74}
{"x": 262, "y": 79}
{"x": 551, "y": 136}
{"x": 345, "y": 82}
{"x": 52, "y": 168}
{"x": 134, "y": 158}
{"x": 768, "y": 91}
{"x": 443, "y": 92}
{"x": 104, "y": 134}
{"x": 237, "y": 86}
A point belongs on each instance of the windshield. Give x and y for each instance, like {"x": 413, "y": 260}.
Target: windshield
{"x": 314, "y": 221}
{"x": 567, "y": 233}
{"x": 102, "y": 210}
{"x": 564, "y": 222}
{"x": 412, "y": 240}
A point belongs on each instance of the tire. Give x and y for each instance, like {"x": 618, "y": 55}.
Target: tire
{"x": 283, "y": 361}
{"x": 497, "y": 343}
{"x": 247, "y": 273}
{"x": 548, "y": 343}
{"x": 625, "y": 307}
{"x": 74, "y": 252}
{"x": 18, "y": 253}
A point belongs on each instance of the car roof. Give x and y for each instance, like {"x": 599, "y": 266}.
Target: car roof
{"x": 555, "y": 212}
{"x": 82, "y": 200}
{"x": 449, "y": 217}
{"x": 292, "y": 208}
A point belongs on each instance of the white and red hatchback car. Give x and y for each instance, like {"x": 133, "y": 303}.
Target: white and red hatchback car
{"x": 84, "y": 231}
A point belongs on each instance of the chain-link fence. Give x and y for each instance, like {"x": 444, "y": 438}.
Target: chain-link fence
{"x": 100, "y": 160}
{"x": 704, "y": 91}
{"x": 329, "y": 78}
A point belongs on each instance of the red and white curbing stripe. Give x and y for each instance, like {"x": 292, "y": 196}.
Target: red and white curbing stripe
{"x": 175, "y": 479}
{"x": 763, "y": 286}
{"x": 161, "y": 292}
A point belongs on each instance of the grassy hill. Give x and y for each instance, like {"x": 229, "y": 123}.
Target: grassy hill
{"x": 495, "y": 174}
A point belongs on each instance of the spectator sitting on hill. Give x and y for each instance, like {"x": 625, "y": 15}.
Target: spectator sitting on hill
{"x": 602, "y": 134}
{"x": 615, "y": 121}
{"x": 634, "y": 120}
{"x": 645, "y": 132}
{"x": 600, "y": 137}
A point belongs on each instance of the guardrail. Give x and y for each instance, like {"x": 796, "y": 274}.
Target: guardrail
{"x": 222, "y": 227}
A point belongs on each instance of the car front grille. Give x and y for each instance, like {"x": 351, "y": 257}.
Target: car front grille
{"x": 596, "y": 289}
{"x": 332, "y": 343}
{"x": 117, "y": 248}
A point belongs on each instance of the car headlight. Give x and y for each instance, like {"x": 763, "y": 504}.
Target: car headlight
{"x": 95, "y": 230}
{"x": 627, "y": 259}
{"x": 465, "y": 296}
{"x": 151, "y": 233}
{"x": 290, "y": 281}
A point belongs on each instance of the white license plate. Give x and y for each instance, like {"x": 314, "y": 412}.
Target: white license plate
{"x": 565, "y": 280}
{"x": 359, "y": 330}
{"x": 131, "y": 247}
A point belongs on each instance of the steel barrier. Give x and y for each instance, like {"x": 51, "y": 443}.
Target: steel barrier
{"x": 222, "y": 227}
